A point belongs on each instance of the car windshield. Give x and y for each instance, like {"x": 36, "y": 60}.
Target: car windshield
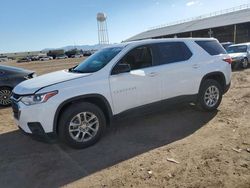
{"x": 97, "y": 61}
{"x": 237, "y": 49}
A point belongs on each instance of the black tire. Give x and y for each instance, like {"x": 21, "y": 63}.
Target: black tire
{"x": 5, "y": 94}
{"x": 244, "y": 63}
{"x": 68, "y": 115}
{"x": 201, "y": 96}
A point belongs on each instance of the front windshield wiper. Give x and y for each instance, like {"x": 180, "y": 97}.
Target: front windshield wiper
{"x": 77, "y": 71}
{"x": 74, "y": 70}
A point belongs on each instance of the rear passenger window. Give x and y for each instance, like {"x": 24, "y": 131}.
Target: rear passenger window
{"x": 171, "y": 52}
{"x": 212, "y": 47}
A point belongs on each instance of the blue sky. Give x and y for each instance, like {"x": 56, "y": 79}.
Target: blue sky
{"x": 27, "y": 25}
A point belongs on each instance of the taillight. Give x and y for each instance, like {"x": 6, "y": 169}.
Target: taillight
{"x": 228, "y": 60}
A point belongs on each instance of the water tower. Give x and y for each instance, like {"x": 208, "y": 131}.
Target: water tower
{"x": 102, "y": 28}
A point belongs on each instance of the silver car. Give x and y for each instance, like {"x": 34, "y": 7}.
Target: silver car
{"x": 240, "y": 54}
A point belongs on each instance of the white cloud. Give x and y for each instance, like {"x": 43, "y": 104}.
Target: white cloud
{"x": 191, "y": 3}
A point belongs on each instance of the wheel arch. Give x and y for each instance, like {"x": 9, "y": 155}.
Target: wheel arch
{"x": 217, "y": 76}
{"x": 96, "y": 99}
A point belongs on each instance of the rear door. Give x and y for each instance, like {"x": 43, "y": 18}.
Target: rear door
{"x": 138, "y": 87}
{"x": 179, "y": 75}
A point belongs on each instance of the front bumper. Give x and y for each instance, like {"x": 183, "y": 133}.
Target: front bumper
{"x": 35, "y": 119}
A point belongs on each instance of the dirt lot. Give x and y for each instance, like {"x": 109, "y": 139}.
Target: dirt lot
{"x": 211, "y": 148}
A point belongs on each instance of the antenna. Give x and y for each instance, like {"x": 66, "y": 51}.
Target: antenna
{"x": 102, "y": 28}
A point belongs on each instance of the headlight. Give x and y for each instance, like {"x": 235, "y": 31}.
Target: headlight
{"x": 37, "y": 98}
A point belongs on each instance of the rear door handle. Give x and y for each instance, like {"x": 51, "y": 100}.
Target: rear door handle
{"x": 152, "y": 74}
{"x": 196, "y": 66}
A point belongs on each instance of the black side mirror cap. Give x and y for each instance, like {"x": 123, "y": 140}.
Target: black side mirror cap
{"x": 121, "y": 68}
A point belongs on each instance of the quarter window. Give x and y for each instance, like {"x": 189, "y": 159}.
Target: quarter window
{"x": 172, "y": 52}
{"x": 212, "y": 47}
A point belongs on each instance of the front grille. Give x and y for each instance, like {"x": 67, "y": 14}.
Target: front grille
{"x": 16, "y": 97}
{"x": 15, "y": 109}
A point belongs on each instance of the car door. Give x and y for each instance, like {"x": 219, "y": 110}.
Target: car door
{"x": 179, "y": 75}
{"x": 3, "y": 77}
{"x": 140, "y": 85}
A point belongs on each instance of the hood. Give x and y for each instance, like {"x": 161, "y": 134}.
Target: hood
{"x": 234, "y": 55}
{"x": 15, "y": 69}
{"x": 35, "y": 84}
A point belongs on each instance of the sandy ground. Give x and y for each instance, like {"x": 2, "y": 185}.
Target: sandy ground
{"x": 211, "y": 149}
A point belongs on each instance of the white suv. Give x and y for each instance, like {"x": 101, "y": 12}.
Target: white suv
{"x": 78, "y": 103}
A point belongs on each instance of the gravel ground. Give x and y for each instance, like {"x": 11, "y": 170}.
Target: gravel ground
{"x": 208, "y": 149}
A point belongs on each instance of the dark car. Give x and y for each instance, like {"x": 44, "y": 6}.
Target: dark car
{"x": 87, "y": 53}
{"x": 9, "y": 78}
{"x": 25, "y": 59}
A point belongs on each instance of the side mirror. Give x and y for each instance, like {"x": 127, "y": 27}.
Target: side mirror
{"x": 121, "y": 68}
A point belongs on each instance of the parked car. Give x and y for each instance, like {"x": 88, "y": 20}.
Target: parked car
{"x": 87, "y": 53}
{"x": 62, "y": 57}
{"x": 77, "y": 104}
{"x": 45, "y": 58}
{"x": 9, "y": 78}
{"x": 35, "y": 58}
{"x": 240, "y": 54}
{"x": 24, "y": 59}
{"x": 77, "y": 56}
{"x": 226, "y": 44}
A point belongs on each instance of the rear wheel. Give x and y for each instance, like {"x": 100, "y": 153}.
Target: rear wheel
{"x": 244, "y": 63}
{"x": 5, "y": 94}
{"x": 210, "y": 95}
{"x": 81, "y": 125}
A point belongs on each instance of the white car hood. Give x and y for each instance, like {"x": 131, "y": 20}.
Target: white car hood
{"x": 233, "y": 55}
{"x": 32, "y": 85}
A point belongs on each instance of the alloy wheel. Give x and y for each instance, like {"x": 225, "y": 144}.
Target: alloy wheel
{"x": 211, "y": 96}
{"x": 5, "y": 95}
{"x": 84, "y": 126}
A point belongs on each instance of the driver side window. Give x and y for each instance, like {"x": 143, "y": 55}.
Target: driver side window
{"x": 138, "y": 58}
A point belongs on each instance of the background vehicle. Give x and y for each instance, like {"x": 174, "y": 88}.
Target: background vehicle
{"x": 9, "y": 78}
{"x": 62, "y": 57}
{"x": 240, "y": 54}
{"x": 87, "y": 53}
{"x": 24, "y": 59}
{"x": 46, "y": 58}
{"x": 77, "y": 56}
{"x": 226, "y": 44}
{"x": 78, "y": 103}
{"x": 35, "y": 58}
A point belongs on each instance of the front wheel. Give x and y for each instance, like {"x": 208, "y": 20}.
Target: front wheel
{"x": 5, "y": 94}
{"x": 210, "y": 95}
{"x": 81, "y": 125}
